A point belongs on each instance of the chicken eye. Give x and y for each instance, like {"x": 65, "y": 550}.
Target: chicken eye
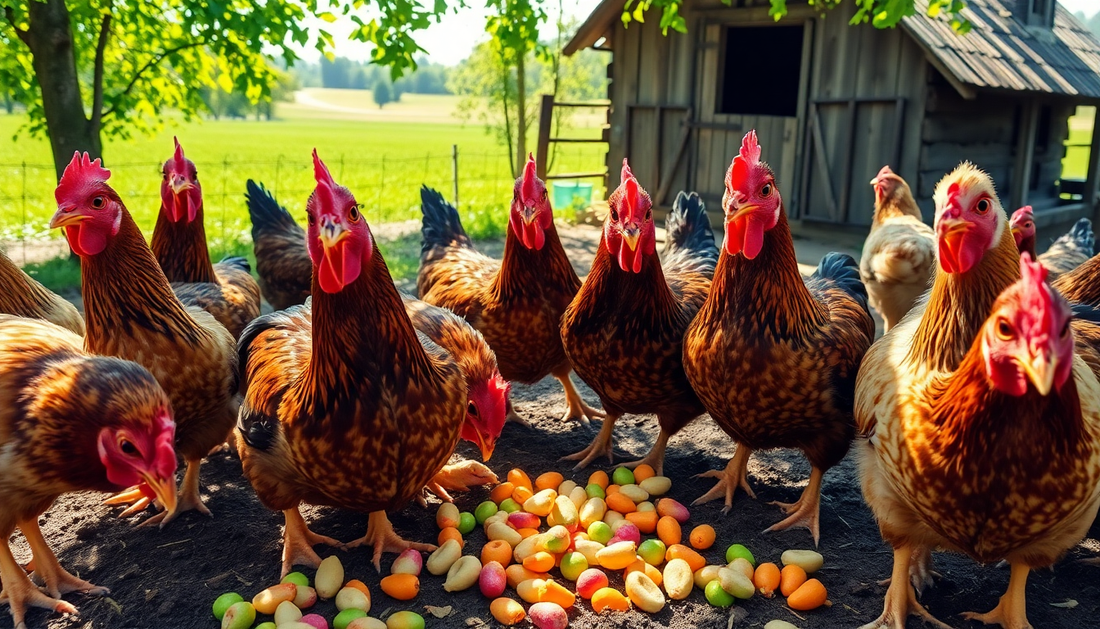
{"x": 544, "y": 194}
{"x": 649, "y": 214}
{"x": 983, "y": 206}
{"x": 766, "y": 190}
{"x": 471, "y": 409}
{"x": 353, "y": 213}
{"x": 165, "y": 175}
{"x": 127, "y": 447}
{"x": 312, "y": 219}
{"x": 1004, "y": 330}
{"x": 98, "y": 203}
{"x": 1028, "y": 225}
{"x": 1065, "y": 329}
{"x": 614, "y": 215}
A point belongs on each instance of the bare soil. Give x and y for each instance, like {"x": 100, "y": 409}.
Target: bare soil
{"x": 169, "y": 578}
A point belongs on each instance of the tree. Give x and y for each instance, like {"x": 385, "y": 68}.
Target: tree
{"x": 382, "y": 93}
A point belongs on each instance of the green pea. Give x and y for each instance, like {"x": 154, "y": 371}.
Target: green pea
{"x": 485, "y": 511}
{"x": 223, "y": 602}
{"x": 510, "y": 506}
{"x": 466, "y": 522}
{"x": 737, "y": 550}
{"x": 717, "y": 596}
{"x": 622, "y": 476}
{"x": 595, "y": 491}
{"x": 297, "y": 578}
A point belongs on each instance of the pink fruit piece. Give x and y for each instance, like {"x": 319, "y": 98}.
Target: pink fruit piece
{"x": 628, "y": 532}
{"x": 316, "y": 620}
{"x": 548, "y": 616}
{"x": 668, "y": 506}
{"x": 492, "y": 579}
{"x": 590, "y": 582}
{"x": 408, "y": 562}
{"x": 523, "y": 520}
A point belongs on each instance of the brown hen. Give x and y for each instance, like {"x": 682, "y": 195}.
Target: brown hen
{"x": 131, "y": 312}
{"x": 70, "y": 422}
{"x": 226, "y": 289}
{"x": 346, "y": 404}
{"x": 764, "y": 327}
{"x": 516, "y": 302}
{"x": 624, "y": 331}
{"x": 24, "y": 296}
{"x": 279, "y": 243}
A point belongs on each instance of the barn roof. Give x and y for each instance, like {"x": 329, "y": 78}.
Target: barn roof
{"x": 1000, "y": 52}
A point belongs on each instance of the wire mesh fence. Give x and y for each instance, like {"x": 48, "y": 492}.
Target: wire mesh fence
{"x": 387, "y": 187}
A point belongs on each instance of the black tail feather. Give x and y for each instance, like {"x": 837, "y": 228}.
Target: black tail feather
{"x": 441, "y": 224}
{"x": 240, "y": 262}
{"x": 842, "y": 269}
{"x": 687, "y": 226}
{"x": 265, "y": 211}
{"x": 1081, "y": 236}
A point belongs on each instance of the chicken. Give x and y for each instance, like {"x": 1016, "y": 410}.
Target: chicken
{"x": 226, "y": 289}
{"x": 899, "y": 255}
{"x": 1080, "y": 286}
{"x": 998, "y": 458}
{"x": 1070, "y": 251}
{"x": 282, "y": 260}
{"x": 624, "y": 331}
{"x": 346, "y": 404}
{"x": 70, "y": 422}
{"x": 516, "y": 302}
{"x": 791, "y": 345}
{"x": 22, "y": 295}
{"x": 132, "y": 313}
{"x": 285, "y": 262}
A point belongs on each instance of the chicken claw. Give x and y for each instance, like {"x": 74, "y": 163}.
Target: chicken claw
{"x": 461, "y": 477}
{"x": 1011, "y": 611}
{"x": 298, "y": 542}
{"x": 806, "y": 512}
{"x": 19, "y": 593}
{"x": 600, "y": 445}
{"x": 578, "y": 409}
{"x": 735, "y": 475}
{"x": 48, "y": 570}
{"x": 381, "y": 535}
{"x": 901, "y": 599}
{"x": 656, "y": 456}
{"x": 189, "y": 498}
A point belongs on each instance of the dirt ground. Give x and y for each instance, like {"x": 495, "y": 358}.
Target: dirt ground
{"x": 169, "y": 578}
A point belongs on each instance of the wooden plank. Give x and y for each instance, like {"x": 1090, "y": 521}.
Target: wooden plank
{"x": 846, "y": 160}
{"x": 798, "y": 187}
{"x": 945, "y": 156}
{"x": 674, "y": 165}
{"x": 1092, "y": 181}
{"x": 546, "y": 121}
{"x": 822, "y": 161}
{"x": 1025, "y": 147}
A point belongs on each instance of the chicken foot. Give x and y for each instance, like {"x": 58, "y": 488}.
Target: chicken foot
{"x": 735, "y": 475}
{"x": 298, "y": 542}
{"x": 601, "y": 445}
{"x": 381, "y": 535}
{"x": 901, "y": 599}
{"x": 461, "y": 476}
{"x": 48, "y": 569}
{"x": 189, "y": 498}
{"x": 578, "y": 409}
{"x": 1011, "y": 611}
{"x": 19, "y": 593}
{"x": 656, "y": 456}
{"x": 921, "y": 574}
{"x": 134, "y": 497}
{"x": 806, "y": 512}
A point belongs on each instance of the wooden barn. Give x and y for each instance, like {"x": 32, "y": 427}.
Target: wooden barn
{"x": 833, "y": 103}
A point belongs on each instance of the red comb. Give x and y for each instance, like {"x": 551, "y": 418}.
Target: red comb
{"x": 177, "y": 158}
{"x": 1035, "y": 295}
{"x": 530, "y": 175}
{"x": 1021, "y": 212}
{"x": 629, "y": 185}
{"x": 81, "y": 170}
{"x": 747, "y": 157}
{"x": 325, "y": 184}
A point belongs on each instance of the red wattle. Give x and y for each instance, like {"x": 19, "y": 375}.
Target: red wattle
{"x": 192, "y": 209}
{"x": 330, "y": 273}
{"x": 629, "y": 260}
{"x": 85, "y": 241}
{"x": 745, "y": 236}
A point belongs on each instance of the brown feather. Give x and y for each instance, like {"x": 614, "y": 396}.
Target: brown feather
{"x": 22, "y": 295}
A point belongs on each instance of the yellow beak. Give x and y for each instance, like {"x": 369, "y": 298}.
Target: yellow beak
{"x": 164, "y": 489}
{"x": 529, "y": 214}
{"x": 631, "y": 238}
{"x": 486, "y": 446}
{"x": 64, "y": 219}
{"x": 331, "y": 234}
{"x": 1040, "y": 370}
{"x": 179, "y": 184}
{"x": 953, "y": 225}
{"x": 741, "y": 211}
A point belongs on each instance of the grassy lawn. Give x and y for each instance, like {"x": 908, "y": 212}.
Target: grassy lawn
{"x": 383, "y": 157}
{"x": 1075, "y": 164}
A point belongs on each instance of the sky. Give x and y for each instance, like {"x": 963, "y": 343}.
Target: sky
{"x": 451, "y": 41}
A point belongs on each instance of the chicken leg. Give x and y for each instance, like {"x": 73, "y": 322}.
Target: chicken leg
{"x": 189, "y": 498}
{"x": 298, "y": 542}
{"x": 901, "y": 599}
{"x": 1011, "y": 611}
{"x": 58, "y": 581}
{"x": 513, "y": 416}
{"x": 381, "y": 535}
{"x": 460, "y": 477}
{"x": 20, "y": 593}
{"x": 600, "y": 445}
{"x": 735, "y": 475}
{"x": 804, "y": 513}
{"x": 656, "y": 456}
{"x": 577, "y": 408}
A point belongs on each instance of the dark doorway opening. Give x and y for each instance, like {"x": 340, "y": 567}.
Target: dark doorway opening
{"x": 755, "y": 83}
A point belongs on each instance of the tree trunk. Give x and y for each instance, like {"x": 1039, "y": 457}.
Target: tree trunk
{"x": 50, "y": 40}
{"x": 521, "y": 111}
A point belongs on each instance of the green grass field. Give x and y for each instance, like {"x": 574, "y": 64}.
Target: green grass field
{"x": 382, "y": 156}
{"x": 1075, "y": 164}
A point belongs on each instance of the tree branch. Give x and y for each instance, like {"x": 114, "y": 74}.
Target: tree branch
{"x": 9, "y": 13}
{"x": 149, "y": 64}
{"x": 97, "y": 80}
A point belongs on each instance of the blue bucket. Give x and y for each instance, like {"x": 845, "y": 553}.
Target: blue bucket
{"x": 571, "y": 194}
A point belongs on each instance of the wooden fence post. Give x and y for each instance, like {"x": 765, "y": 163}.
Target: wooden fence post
{"x": 546, "y": 120}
